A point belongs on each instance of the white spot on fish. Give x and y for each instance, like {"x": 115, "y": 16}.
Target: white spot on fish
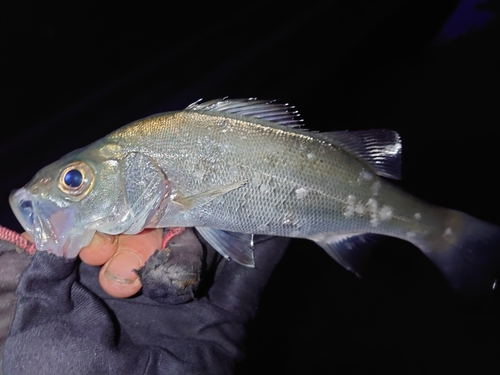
{"x": 372, "y": 206}
{"x": 374, "y": 221}
{"x": 360, "y": 208}
{"x": 349, "y": 210}
{"x": 264, "y": 188}
{"x": 310, "y": 156}
{"x": 256, "y": 179}
{"x": 417, "y": 216}
{"x": 392, "y": 149}
{"x": 410, "y": 234}
{"x": 385, "y": 213}
{"x": 263, "y": 227}
{"x": 365, "y": 175}
{"x": 301, "y": 193}
{"x": 288, "y": 219}
{"x": 376, "y": 187}
{"x": 448, "y": 232}
{"x": 199, "y": 174}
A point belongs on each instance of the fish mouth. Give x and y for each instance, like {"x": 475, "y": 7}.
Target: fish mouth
{"x": 52, "y": 227}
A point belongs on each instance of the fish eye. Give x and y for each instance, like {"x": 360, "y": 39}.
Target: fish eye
{"x": 76, "y": 180}
{"x": 73, "y": 178}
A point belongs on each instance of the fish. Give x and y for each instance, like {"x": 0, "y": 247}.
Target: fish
{"x": 241, "y": 169}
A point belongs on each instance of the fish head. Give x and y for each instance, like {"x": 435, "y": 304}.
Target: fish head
{"x": 98, "y": 188}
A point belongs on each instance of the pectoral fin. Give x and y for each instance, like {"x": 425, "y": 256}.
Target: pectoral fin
{"x": 231, "y": 245}
{"x": 206, "y": 196}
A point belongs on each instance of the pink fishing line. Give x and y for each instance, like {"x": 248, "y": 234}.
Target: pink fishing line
{"x": 16, "y": 239}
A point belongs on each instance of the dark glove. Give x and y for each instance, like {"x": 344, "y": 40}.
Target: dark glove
{"x": 12, "y": 265}
{"x": 66, "y": 324}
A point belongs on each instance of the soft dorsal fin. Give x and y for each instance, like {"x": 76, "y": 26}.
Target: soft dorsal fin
{"x": 380, "y": 148}
{"x": 281, "y": 113}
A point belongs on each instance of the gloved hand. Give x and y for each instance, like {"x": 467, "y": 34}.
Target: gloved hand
{"x": 65, "y": 323}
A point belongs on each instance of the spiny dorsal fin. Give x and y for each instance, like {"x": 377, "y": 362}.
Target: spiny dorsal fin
{"x": 269, "y": 110}
{"x": 380, "y": 148}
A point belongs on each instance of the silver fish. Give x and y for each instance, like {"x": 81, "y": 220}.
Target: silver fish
{"x": 238, "y": 168}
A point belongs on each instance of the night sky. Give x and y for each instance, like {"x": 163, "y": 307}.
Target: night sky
{"x": 72, "y": 72}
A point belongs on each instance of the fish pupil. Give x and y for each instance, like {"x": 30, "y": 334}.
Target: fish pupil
{"x": 73, "y": 178}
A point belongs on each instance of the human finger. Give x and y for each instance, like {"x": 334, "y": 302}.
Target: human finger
{"x": 118, "y": 275}
{"x": 100, "y": 250}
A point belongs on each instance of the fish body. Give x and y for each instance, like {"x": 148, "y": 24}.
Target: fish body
{"x": 238, "y": 168}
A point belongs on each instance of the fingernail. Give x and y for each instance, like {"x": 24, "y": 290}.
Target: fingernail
{"x": 121, "y": 267}
{"x": 107, "y": 237}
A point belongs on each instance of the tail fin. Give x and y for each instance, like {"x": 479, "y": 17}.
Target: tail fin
{"x": 467, "y": 252}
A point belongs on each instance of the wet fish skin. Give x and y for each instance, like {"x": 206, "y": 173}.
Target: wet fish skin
{"x": 235, "y": 168}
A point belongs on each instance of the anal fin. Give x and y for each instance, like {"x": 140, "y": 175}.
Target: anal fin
{"x": 350, "y": 251}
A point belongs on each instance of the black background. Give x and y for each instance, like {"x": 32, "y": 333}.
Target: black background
{"x": 71, "y": 72}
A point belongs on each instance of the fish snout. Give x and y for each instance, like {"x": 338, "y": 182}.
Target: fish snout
{"x": 53, "y": 228}
{"x": 22, "y": 206}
